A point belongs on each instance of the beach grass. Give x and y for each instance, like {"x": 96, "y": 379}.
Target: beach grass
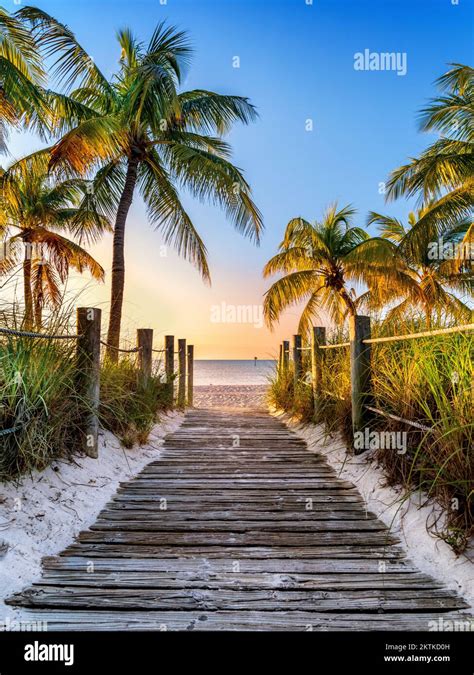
{"x": 42, "y": 409}
{"x": 427, "y": 381}
{"x": 130, "y": 403}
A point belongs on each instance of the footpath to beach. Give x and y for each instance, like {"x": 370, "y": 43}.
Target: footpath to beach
{"x": 236, "y": 526}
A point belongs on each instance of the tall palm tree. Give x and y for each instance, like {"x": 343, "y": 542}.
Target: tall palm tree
{"x": 36, "y": 216}
{"x": 444, "y": 173}
{"x": 433, "y": 282}
{"x": 318, "y": 261}
{"x": 144, "y": 134}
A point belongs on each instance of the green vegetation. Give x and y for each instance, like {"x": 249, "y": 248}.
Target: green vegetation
{"x": 130, "y": 404}
{"x": 38, "y": 399}
{"x": 411, "y": 277}
{"x": 105, "y": 140}
{"x": 41, "y": 406}
{"x": 428, "y": 381}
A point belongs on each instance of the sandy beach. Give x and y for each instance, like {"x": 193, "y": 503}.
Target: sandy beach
{"x": 44, "y": 512}
{"x": 53, "y": 506}
{"x": 230, "y": 396}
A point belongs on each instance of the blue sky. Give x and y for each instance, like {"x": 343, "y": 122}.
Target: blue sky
{"x": 296, "y": 63}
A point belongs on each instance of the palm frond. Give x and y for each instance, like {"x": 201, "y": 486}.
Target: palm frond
{"x": 208, "y": 112}
{"x": 166, "y": 212}
{"x": 72, "y": 65}
{"x": 289, "y": 290}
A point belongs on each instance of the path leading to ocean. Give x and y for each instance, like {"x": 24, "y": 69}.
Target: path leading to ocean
{"x": 237, "y": 526}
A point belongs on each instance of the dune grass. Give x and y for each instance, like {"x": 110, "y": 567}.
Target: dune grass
{"x": 39, "y": 401}
{"x": 129, "y": 403}
{"x": 429, "y": 381}
{"x": 41, "y": 407}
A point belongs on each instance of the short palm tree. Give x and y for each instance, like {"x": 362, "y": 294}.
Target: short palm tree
{"x": 444, "y": 173}
{"x": 37, "y": 218}
{"x": 318, "y": 261}
{"x": 433, "y": 282}
{"x": 145, "y": 135}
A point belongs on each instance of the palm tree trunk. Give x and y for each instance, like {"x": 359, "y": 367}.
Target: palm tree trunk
{"x": 28, "y": 319}
{"x": 118, "y": 260}
{"x": 348, "y": 301}
{"x": 38, "y": 315}
{"x": 428, "y": 317}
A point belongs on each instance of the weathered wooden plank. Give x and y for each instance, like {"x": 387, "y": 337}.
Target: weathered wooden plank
{"x": 87, "y": 620}
{"x": 210, "y": 471}
{"x": 236, "y": 483}
{"x": 253, "y": 537}
{"x": 365, "y": 600}
{"x": 223, "y": 565}
{"x": 173, "y": 524}
{"x": 255, "y": 581}
{"x": 109, "y": 550}
{"x": 229, "y": 458}
{"x": 177, "y": 475}
{"x": 287, "y": 498}
{"x": 186, "y": 513}
{"x": 260, "y": 536}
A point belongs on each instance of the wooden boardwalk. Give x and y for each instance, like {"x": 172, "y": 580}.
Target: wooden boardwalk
{"x": 237, "y": 526}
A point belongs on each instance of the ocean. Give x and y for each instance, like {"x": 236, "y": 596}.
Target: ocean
{"x": 232, "y": 372}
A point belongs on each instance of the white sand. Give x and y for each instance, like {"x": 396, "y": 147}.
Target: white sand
{"x": 230, "y": 396}
{"x": 406, "y": 519}
{"x": 46, "y": 511}
{"x": 44, "y": 514}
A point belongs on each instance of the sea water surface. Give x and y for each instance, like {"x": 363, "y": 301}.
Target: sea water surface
{"x": 236, "y": 372}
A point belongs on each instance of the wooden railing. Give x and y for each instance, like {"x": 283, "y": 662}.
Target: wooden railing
{"x": 89, "y": 343}
{"x": 359, "y": 344}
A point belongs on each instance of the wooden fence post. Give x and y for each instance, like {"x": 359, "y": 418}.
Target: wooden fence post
{"x": 361, "y": 377}
{"x": 280, "y": 361}
{"x": 297, "y": 358}
{"x": 318, "y": 338}
{"x": 190, "y": 375}
{"x": 286, "y": 354}
{"x": 145, "y": 353}
{"x": 182, "y": 373}
{"x": 169, "y": 364}
{"x": 88, "y": 367}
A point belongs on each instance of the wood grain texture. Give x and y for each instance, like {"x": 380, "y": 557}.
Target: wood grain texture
{"x": 236, "y": 527}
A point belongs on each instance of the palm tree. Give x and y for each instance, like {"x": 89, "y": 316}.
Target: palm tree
{"x": 444, "y": 173}
{"x": 318, "y": 261}
{"x": 145, "y": 135}
{"x": 432, "y": 281}
{"x": 22, "y": 77}
{"x": 36, "y": 215}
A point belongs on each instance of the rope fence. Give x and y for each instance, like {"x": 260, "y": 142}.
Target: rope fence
{"x": 134, "y": 350}
{"x": 360, "y": 341}
{"x": 412, "y": 423}
{"x": 13, "y": 430}
{"x": 88, "y": 365}
{"x": 415, "y": 336}
{"x": 336, "y": 346}
{"x": 29, "y": 334}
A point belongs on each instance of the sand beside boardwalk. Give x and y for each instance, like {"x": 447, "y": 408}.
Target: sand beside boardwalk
{"x": 42, "y": 515}
{"x": 230, "y": 396}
